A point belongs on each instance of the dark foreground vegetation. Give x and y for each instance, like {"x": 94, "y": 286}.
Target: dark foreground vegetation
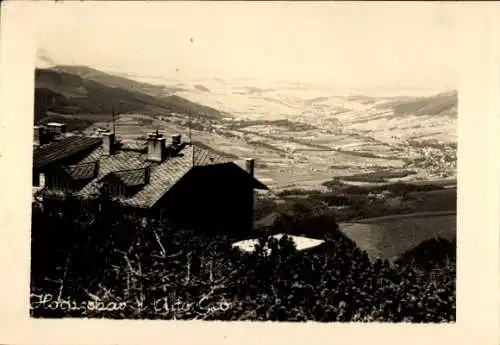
{"x": 103, "y": 264}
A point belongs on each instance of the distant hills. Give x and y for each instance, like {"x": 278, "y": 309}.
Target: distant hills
{"x": 441, "y": 104}
{"x": 64, "y": 91}
{"x": 110, "y": 80}
{"x": 72, "y": 90}
{"x": 201, "y": 88}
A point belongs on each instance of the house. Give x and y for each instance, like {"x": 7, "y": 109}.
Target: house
{"x": 172, "y": 180}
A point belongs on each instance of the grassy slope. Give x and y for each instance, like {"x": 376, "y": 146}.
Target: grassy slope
{"x": 110, "y": 80}
{"x": 383, "y": 220}
{"x": 389, "y": 238}
{"x": 82, "y": 90}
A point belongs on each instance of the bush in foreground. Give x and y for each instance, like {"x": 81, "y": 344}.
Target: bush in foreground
{"x": 116, "y": 267}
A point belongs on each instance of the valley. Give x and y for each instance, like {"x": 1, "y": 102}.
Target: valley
{"x": 300, "y": 135}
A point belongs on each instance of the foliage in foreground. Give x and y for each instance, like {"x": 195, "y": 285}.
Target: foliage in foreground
{"x": 103, "y": 264}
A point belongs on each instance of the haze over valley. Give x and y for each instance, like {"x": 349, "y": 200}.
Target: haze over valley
{"x": 301, "y": 134}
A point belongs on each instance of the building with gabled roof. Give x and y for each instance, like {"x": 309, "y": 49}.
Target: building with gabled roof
{"x": 176, "y": 180}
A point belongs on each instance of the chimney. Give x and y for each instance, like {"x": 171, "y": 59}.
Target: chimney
{"x": 38, "y": 135}
{"x": 250, "y": 165}
{"x": 176, "y": 139}
{"x": 156, "y": 147}
{"x": 147, "y": 173}
{"x": 56, "y": 127}
{"x": 96, "y": 168}
{"x": 108, "y": 142}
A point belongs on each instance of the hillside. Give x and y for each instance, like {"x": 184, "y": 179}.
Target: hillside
{"x": 76, "y": 90}
{"x": 111, "y": 80}
{"x": 439, "y": 105}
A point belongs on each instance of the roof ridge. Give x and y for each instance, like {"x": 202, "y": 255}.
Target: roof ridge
{"x": 135, "y": 169}
{"x": 81, "y": 164}
{"x": 63, "y": 149}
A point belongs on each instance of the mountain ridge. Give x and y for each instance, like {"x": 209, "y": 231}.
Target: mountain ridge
{"x": 80, "y": 90}
{"x": 71, "y": 90}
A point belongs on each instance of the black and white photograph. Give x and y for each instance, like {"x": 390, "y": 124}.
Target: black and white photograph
{"x": 284, "y": 168}
{"x": 249, "y": 172}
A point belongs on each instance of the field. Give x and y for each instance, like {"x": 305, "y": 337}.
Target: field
{"x": 286, "y": 160}
{"x": 282, "y": 164}
{"x": 389, "y": 237}
{"x": 385, "y": 220}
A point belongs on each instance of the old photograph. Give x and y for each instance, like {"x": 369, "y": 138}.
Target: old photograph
{"x": 278, "y": 167}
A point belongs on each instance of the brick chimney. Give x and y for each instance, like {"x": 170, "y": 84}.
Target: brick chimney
{"x": 38, "y": 135}
{"x": 250, "y": 165}
{"x": 176, "y": 139}
{"x": 156, "y": 147}
{"x": 108, "y": 143}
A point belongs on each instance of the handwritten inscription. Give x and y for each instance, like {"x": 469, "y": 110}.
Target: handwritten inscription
{"x": 203, "y": 306}
{"x": 47, "y": 301}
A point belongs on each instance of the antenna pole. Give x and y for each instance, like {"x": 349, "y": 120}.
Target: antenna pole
{"x": 191, "y": 139}
{"x": 189, "y": 117}
{"x": 192, "y": 155}
{"x": 113, "y": 109}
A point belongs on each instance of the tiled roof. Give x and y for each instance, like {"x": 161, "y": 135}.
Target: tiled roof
{"x": 82, "y": 171}
{"x": 62, "y": 149}
{"x": 162, "y": 177}
{"x": 131, "y": 178}
{"x": 130, "y": 167}
{"x": 119, "y": 161}
{"x": 205, "y": 157}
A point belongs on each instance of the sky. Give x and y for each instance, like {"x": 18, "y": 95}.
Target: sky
{"x": 361, "y": 45}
